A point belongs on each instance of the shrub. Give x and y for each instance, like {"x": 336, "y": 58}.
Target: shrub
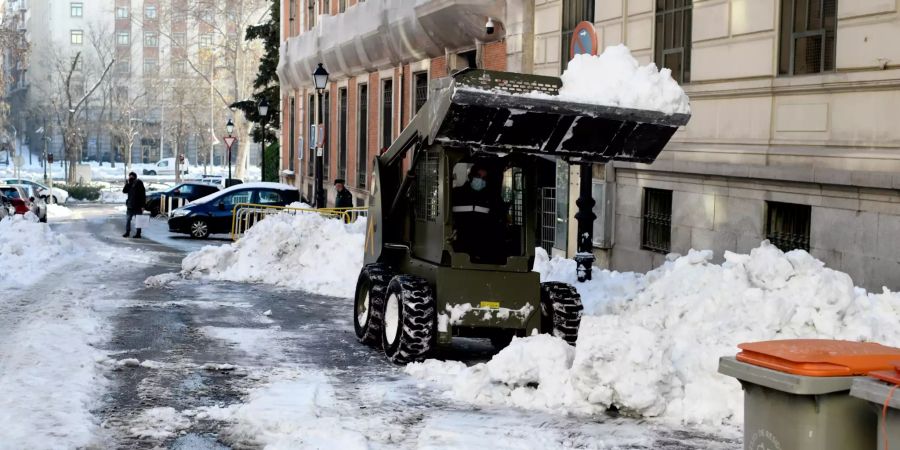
{"x": 81, "y": 191}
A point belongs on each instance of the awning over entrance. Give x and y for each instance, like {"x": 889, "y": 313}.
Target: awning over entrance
{"x": 378, "y": 34}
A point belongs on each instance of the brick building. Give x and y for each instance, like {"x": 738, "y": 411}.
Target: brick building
{"x": 792, "y": 137}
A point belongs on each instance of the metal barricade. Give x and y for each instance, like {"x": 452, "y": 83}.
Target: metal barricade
{"x": 245, "y": 215}
{"x": 169, "y": 204}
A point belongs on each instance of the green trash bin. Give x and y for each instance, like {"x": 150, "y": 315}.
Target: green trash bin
{"x": 877, "y": 392}
{"x": 797, "y": 393}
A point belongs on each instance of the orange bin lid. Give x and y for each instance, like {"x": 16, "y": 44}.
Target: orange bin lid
{"x": 819, "y": 357}
{"x": 890, "y": 376}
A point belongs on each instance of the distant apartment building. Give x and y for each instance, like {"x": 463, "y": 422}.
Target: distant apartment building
{"x": 792, "y": 137}
{"x": 14, "y": 17}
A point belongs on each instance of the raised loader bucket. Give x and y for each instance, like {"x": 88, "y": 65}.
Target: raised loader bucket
{"x": 505, "y": 112}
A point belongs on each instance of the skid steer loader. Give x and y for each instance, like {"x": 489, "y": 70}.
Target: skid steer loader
{"x": 427, "y": 278}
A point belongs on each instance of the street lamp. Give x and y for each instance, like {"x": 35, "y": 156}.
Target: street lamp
{"x": 229, "y": 127}
{"x": 320, "y": 77}
{"x": 263, "y": 112}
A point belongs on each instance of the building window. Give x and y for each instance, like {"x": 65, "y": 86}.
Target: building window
{"x": 77, "y": 37}
{"x": 311, "y": 13}
{"x": 342, "y": 134}
{"x": 310, "y": 112}
{"x": 123, "y": 67}
{"x": 179, "y": 67}
{"x": 574, "y": 12}
{"x": 123, "y": 38}
{"x": 342, "y": 5}
{"x": 387, "y": 110}
{"x": 787, "y": 225}
{"x": 673, "y": 37}
{"x": 121, "y": 12}
{"x": 807, "y": 36}
{"x": 76, "y": 9}
{"x": 179, "y": 38}
{"x": 150, "y": 66}
{"x": 420, "y": 89}
{"x": 293, "y": 135}
{"x": 656, "y": 227}
{"x": 326, "y": 7}
{"x": 362, "y": 137}
{"x": 150, "y": 11}
{"x": 206, "y": 40}
{"x": 151, "y": 39}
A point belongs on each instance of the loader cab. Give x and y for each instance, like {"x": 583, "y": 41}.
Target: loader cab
{"x": 456, "y": 225}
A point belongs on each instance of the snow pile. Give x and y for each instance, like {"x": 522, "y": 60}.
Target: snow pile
{"x": 603, "y": 292}
{"x": 158, "y": 423}
{"x": 615, "y": 78}
{"x": 55, "y": 211}
{"x": 656, "y": 355}
{"x": 303, "y": 251}
{"x": 30, "y": 250}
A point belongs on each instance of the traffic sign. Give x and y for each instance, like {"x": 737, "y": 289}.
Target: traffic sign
{"x": 229, "y": 141}
{"x": 584, "y": 40}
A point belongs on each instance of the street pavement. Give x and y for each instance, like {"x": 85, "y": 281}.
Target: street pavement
{"x": 211, "y": 346}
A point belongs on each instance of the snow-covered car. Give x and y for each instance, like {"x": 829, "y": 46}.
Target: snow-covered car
{"x": 213, "y": 214}
{"x": 36, "y": 204}
{"x": 55, "y": 195}
{"x": 22, "y": 202}
{"x": 166, "y": 166}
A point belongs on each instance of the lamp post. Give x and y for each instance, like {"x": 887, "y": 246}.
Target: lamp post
{"x": 229, "y": 128}
{"x": 263, "y": 113}
{"x": 320, "y": 77}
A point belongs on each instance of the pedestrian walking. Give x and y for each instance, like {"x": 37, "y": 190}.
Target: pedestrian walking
{"x": 137, "y": 197}
{"x": 343, "y": 199}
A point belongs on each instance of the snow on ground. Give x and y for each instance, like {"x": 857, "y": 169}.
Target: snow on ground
{"x": 303, "y": 251}
{"x": 30, "y": 250}
{"x": 51, "y": 371}
{"x": 615, "y": 78}
{"x": 656, "y": 353}
{"x": 55, "y": 211}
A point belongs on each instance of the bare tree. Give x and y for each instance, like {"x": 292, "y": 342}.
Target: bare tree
{"x": 72, "y": 135}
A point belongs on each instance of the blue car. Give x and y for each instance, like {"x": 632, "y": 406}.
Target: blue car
{"x": 213, "y": 214}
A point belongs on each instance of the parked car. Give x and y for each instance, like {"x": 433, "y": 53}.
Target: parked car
{"x": 6, "y": 207}
{"x": 213, "y": 214}
{"x": 188, "y": 191}
{"x": 23, "y": 203}
{"x": 56, "y": 195}
{"x": 166, "y": 166}
{"x": 37, "y": 205}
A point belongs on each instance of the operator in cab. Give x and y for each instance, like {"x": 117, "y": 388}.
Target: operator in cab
{"x": 478, "y": 217}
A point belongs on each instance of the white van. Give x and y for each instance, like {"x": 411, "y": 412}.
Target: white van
{"x": 166, "y": 166}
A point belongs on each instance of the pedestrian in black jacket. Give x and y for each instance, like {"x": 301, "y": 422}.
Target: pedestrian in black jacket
{"x": 137, "y": 197}
{"x": 343, "y": 198}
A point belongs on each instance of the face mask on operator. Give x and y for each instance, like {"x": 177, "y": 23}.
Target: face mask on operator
{"x": 478, "y": 184}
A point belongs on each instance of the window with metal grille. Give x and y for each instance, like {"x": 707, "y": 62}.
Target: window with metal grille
{"x": 807, "y": 36}
{"x": 574, "y": 12}
{"x": 293, "y": 139}
{"x": 787, "y": 225}
{"x": 387, "y": 110}
{"x": 421, "y": 89}
{"x": 548, "y": 218}
{"x": 656, "y": 227}
{"x": 362, "y": 137}
{"x": 342, "y": 134}
{"x": 673, "y": 37}
{"x": 513, "y": 194}
{"x": 311, "y": 13}
{"x": 427, "y": 201}
{"x": 310, "y": 119}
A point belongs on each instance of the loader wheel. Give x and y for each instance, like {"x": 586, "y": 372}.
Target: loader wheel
{"x": 409, "y": 319}
{"x": 560, "y": 311}
{"x": 371, "y": 288}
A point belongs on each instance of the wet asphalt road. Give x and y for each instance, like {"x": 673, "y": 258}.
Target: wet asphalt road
{"x": 192, "y": 323}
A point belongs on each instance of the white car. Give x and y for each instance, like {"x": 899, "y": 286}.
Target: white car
{"x": 166, "y": 166}
{"x": 58, "y": 195}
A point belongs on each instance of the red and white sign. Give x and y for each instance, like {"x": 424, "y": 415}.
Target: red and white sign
{"x": 229, "y": 141}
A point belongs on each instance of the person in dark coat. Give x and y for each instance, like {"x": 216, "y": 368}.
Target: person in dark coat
{"x": 478, "y": 217}
{"x": 137, "y": 197}
{"x": 343, "y": 198}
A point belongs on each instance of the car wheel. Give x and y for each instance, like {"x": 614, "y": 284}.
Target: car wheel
{"x": 199, "y": 229}
{"x": 561, "y": 311}
{"x": 151, "y": 172}
{"x": 54, "y": 200}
